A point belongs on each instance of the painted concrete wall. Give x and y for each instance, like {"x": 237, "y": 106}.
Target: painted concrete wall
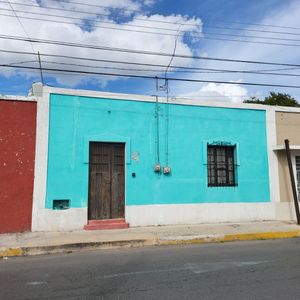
{"x": 288, "y": 127}
{"x": 17, "y": 149}
{"x": 286, "y": 193}
{"x": 75, "y": 120}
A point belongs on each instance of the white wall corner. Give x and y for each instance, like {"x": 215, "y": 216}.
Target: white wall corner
{"x": 41, "y": 157}
{"x": 61, "y": 220}
{"x": 272, "y": 156}
{"x": 285, "y": 211}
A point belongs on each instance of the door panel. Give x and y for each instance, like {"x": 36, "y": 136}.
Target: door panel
{"x": 106, "y": 181}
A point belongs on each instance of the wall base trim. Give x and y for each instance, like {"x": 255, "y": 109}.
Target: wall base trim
{"x": 170, "y": 214}
{"x": 285, "y": 211}
{"x": 152, "y": 215}
{"x": 60, "y": 220}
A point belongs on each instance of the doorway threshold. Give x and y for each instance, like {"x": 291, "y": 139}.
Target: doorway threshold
{"x": 106, "y": 224}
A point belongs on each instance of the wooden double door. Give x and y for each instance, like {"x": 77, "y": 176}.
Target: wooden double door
{"x": 106, "y": 181}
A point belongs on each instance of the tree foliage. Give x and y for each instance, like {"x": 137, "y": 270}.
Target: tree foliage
{"x": 280, "y": 99}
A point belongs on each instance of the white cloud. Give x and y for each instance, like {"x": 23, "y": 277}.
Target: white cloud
{"x": 287, "y": 16}
{"x": 219, "y": 92}
{"x": 96, "y": 35}
{"x": 149, "y": 2}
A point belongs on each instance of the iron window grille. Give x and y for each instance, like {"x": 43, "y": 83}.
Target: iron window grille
{"x": 221, "y": 166}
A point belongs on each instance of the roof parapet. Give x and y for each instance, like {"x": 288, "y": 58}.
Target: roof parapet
{"x": 36, "y": 90}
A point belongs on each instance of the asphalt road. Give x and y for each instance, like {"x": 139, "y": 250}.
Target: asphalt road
{"x": 239, "y": 270}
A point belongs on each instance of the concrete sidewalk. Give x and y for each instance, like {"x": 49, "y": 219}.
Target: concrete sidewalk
{"x": 32, "y": 243}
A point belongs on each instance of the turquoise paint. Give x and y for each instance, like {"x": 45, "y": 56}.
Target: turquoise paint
{"x": 74, "y": 121}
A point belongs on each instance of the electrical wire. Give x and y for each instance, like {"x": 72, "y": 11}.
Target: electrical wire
{"x": 92, "y": 21}
{"x": 255, "y": 24}
{"x": 85, "y": 12}
{"x": 204, "y": 70}
{"x": 221, "y": 21}
{"x": 189, "y": 97}
{"x": 103, "y": 27}
{"x": 164, "y": 34}
{"x": 159, "y": 28}
{"x": 204, "y": 35}
{"x": 21, "y": 24}
{"x": 142, "y": 19}
{"x": 142, "y": 52}
{"x": 213, "y": 70}
{"x": 250, "y": 30}
{"x": 96, "y": 5}
{"x": 153, "y": 77}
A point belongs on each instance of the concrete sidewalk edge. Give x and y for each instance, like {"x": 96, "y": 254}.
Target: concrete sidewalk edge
{"x": 179, "y": 240}
{"x": 74, "y": 247}
{"x": 232, "y": 237}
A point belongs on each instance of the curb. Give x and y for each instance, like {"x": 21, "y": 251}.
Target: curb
{"x": 231, "y": 238}
{"x": 180, "y": 240}
{"x": 75, "y": 247}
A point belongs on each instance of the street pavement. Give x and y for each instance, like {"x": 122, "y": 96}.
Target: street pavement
{"x": 237, "y": 270}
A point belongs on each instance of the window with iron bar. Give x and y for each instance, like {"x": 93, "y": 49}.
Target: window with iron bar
{"x": 221, "y": 166}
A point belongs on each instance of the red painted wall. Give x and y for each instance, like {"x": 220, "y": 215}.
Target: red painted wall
{"x": 17, "y": 150}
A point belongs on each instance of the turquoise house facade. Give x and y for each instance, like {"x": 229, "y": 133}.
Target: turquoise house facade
{"x": 178, "y": 135}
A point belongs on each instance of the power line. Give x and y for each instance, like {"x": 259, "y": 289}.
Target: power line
{"x": 234, "y": 22}
{"x": 152, "y": 20}
{"x": 250, "y": 30}
{"x": 193, "y": 32}
{"x": 181, "y": 68}
{"x": 256, "y": 24}
{"x": 87, "y": 13}
{"x": 168, "y": 34}
{"x": 103, "y": 27}
{"x": 251, "y": 42}
{"x": 26, "y": 33}
{"x": 141, "y": 52}
{"x": 160, "y": 21}
{"x": 204, "y": 70}
{"x": 22, "y": 62}
{"x": 21, "y": 24}
{"x": 190, "y": 69}
{"x": 126, "y": 69}
{"x": 250, "y": 36}
{"x": 158, "y": 28}
{"x": 96, "y": 5}
{"x": 92, "y": 21}
{"x": 154, "y": 77}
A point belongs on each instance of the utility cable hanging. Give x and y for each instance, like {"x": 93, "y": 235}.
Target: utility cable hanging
{"x": 162, "y": 31}
{"x": 167, "y": 169}
{"x": 141, "y": 52}
{"x": 94, "y": 21}
{"x": 157, "y": 166}
{"x": 257, "y": 71}
{"x": 26, "y": 33}
{"x": 151, "y": 20}
{"x": 181, "y": 69}
{"x": 205, "y": 36}
{"x": 150, "y": 77}
{"x": 41, "y": 70}
{"x": 87, "y": 12}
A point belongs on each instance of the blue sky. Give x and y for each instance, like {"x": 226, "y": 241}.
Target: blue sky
{"x": 202, "y": 16}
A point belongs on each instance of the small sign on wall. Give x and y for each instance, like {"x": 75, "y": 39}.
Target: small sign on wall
{"x": 220, "y": 143}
